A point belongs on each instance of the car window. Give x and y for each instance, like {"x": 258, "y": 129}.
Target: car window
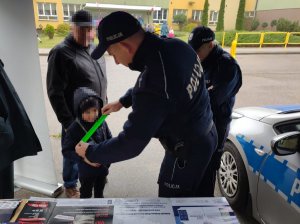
{"x": 287, "y": 127}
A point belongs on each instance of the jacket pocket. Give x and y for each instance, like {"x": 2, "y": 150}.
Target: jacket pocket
{"x": 6, "y": 134}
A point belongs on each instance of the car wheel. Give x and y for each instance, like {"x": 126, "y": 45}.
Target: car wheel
{"x": 232, "y": 178}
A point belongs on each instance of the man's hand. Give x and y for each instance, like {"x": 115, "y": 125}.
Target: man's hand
{"x": 81, "y": 148}
{"x": 112, "y": 107}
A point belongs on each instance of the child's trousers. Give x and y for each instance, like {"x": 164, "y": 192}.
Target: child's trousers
{"x": 89, "y": 183}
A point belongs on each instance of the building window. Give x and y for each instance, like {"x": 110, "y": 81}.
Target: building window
{"x": 69, "y": 10}
{"x": 196, "y": 15}
{"x": 250, "y": 14}
{"x": 160, "y": 16}
{"x": 179, "y": 11}
{"x": 213, "y": 18}
{"x": 47, "y": 11}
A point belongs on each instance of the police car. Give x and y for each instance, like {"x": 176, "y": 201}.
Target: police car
{"x": 260, "y": 166}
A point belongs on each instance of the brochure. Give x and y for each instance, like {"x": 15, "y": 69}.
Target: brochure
{"x": 7, "y": 208}
{"x": 203, "y": 211}
{"x": 143, "y": 210}
{"x": 83, "y": 211}
{"x": 35, "y": 211}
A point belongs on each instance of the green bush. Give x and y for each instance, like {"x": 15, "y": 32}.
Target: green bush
{"x": 63, "y": 29}
{"x": 180, "y": 19}
{"x": 248, "y": 38}
{"x": 255, "y": 24}
{"x": 273, "y": 23}
{"x": 49, "y": 31}
{"x": 295, "y": 27}
{"x": 189, "y": 27}
{"x": 264, "y": 25}
{"x": 287, "y": 26}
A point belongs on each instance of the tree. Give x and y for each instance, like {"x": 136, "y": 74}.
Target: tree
{"x": 220, "y": 25}
{"x": 273, "y": 23}
{"x": 240, "y": 16}
{"x": 204, "y": 18}
{"x": 255, "y": 24}
{"x": 180, "y": 19}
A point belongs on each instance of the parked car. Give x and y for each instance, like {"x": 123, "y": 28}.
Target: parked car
{"x": 260, "y": 166}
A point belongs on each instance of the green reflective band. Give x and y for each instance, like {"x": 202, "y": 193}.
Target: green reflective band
{"x": 97, "y": 124}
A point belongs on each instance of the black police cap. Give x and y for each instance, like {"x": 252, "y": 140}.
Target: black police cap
{"x": 114, "y": 28}
{"x": 199, "y": 36}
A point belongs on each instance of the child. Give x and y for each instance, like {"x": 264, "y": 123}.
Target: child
{"x": 87, "y": 106}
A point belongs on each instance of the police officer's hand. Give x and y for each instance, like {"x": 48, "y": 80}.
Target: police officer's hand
{"x": 112, "y": 107}
{"x": 96, "y": 165}
{"x": 216, "y": 159}
{"x": 81, "y": 148}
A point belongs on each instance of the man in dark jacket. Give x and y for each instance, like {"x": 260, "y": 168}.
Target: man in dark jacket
{"x": 169, "y": 102}
{"x": 223, "y": 80}
{"x": 17, "y": 136}
{"x": 69, "y": 67}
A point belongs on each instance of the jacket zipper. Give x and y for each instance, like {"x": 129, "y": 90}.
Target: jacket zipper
{"x": 98, "y": 76}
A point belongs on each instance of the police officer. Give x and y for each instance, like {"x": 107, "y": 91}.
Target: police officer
{"x": 169, "y": 102}
{"x": 223, "y": 79}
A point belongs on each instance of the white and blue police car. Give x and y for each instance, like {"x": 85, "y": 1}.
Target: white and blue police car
{"x": 260, "y": 166}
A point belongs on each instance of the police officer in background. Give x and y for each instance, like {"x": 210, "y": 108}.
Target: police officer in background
{"x": 169, "y": 101}
{"x": 223, "y": 79}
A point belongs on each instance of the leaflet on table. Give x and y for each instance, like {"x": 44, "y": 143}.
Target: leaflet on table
{"x": 83, "y": 211}
{"x": 7, "y": 208}
{"x": 143, "y": 210}
{"x": 34, "y": 211}
{"x": 202, "y": 210}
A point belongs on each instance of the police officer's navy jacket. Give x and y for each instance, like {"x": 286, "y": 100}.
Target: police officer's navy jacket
{"x": 223, "y": 80}
{"x": 77, "y": 130}
{"x": 169, "y": 100}
{"x": 69, "y": 67}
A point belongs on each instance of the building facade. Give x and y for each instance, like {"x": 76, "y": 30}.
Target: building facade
{"x": 55, "y": 12}
{"x": 268, "y": 10}
{"x": 193, "y": 9}
{"x": 47, "y": 12}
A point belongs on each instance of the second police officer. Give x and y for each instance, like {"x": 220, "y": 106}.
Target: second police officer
{"x": 223, "y": 79}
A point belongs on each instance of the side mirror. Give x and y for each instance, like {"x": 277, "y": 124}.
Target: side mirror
{"x": 286, "y": 144}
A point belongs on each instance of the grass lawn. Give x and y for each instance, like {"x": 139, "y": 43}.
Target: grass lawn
{"x": 229, "y": 36}
{"x": 49, "y": 43}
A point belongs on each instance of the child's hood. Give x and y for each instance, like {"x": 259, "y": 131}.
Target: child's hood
{"x": 82, "y": 93}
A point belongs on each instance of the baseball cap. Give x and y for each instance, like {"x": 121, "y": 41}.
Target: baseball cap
{"x": 82, "y": 18}
{"x": 199, "y": 36}
{"x": 114, "y": 28}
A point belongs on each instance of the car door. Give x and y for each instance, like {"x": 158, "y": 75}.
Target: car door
{"x": 278, "y": 191}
